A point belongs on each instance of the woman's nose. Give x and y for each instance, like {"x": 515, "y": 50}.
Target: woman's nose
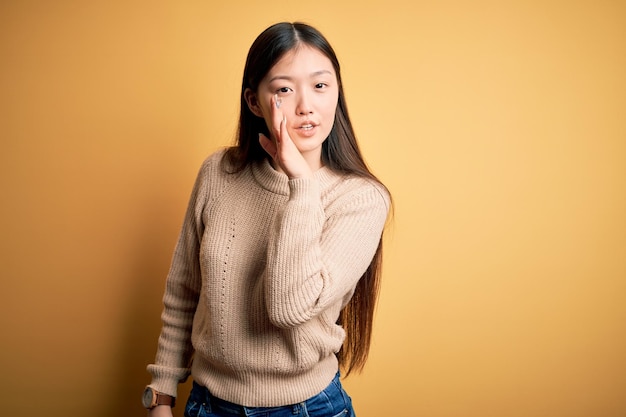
{"x": 303, "y": 105}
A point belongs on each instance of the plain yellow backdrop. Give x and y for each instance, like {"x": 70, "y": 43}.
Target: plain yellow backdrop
{"x": 500, "y": 128}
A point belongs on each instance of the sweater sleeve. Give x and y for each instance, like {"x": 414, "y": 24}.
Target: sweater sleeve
{"x": 316, "y": 257}
{"x": 181, "y": 296}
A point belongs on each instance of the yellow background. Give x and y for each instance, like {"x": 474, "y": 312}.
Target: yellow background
{"x": 500, "y": 128}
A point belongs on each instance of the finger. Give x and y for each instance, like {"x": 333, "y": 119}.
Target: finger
{"x": 277, "y": 116}
{"x": 283, "y": 129}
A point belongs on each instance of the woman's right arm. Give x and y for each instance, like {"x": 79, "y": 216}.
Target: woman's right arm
{"x": 182, "y": 291}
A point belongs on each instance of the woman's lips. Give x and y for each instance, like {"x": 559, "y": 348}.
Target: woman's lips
{"x": 307, "y": 130}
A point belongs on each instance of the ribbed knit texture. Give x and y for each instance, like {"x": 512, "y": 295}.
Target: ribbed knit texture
{"x": 261, "y": 271}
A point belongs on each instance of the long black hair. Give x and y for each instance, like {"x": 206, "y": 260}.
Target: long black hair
{"x": 340, "y": 153}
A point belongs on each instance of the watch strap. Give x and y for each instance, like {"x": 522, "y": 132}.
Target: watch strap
{"x": 163, "y": 399}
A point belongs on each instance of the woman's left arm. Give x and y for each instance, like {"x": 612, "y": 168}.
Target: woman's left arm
{"x": 316, "y": 255}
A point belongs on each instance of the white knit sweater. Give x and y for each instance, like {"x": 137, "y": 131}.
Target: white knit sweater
{"x": 261, "y": 271}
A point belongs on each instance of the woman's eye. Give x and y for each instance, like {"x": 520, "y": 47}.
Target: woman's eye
{"x": 284, "y": 90}
{"x": 320, "y": 85}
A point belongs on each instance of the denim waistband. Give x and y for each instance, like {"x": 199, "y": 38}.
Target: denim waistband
{"x": 216, "y": 403}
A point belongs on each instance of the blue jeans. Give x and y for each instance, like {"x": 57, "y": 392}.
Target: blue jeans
{"x": 332, "y": 402}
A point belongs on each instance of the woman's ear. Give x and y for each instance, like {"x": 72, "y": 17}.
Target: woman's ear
{"x": 253, "y": 102}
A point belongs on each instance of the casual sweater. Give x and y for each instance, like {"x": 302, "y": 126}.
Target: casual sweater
{"x": 262, "y": 268}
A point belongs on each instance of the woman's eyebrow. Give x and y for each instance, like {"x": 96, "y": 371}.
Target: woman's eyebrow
{"x": 321, "y": 72}
{"x": 290, "y": 78}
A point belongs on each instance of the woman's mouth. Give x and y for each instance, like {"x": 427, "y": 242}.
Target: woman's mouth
{"x": 306, "y": 129}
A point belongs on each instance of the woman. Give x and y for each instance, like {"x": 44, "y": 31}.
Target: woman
{"x": 278, "y": 260}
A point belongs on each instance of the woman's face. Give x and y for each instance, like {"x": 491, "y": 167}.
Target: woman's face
{"x": 305, "y": 83}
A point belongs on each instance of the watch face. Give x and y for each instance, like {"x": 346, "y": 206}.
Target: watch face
{"x": 147, "y": 397}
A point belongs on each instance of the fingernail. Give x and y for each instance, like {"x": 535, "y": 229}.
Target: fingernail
{"x": 278, "y": 101}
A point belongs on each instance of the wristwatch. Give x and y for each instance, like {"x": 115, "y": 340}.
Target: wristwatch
{"x": 151, "y": 398}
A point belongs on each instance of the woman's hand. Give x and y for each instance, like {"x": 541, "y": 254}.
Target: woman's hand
{"x": 281, "y": 147}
